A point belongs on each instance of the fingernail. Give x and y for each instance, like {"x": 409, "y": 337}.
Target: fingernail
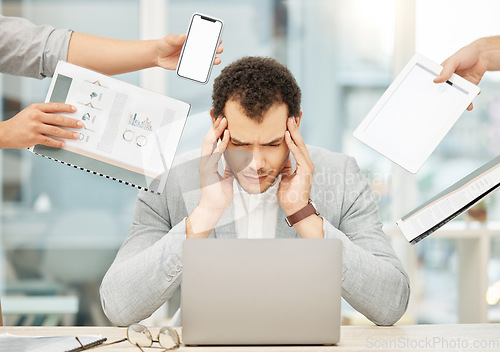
{"x": 63, "y": 144}
{"x": 79, "y": 124}
{"x": 76, "y": 135}
{"x": 73, "y": 108}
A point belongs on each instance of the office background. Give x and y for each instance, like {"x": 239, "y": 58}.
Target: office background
{"x": 60, "y": 228}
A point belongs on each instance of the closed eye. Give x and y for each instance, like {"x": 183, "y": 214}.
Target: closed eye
{"x": 274, "y": 143}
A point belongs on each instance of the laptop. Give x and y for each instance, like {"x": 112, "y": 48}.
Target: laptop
{"x": 261, "y": 291}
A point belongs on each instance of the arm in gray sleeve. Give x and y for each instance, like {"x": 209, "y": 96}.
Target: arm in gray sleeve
{"x": 147, "y": 268}
{"x": 374, "y": 281}
{"x": 30, "y": 50}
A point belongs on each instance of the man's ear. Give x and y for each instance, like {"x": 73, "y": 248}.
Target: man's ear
{"x": 298, "y": 119}
{"x": 214, "y": 118}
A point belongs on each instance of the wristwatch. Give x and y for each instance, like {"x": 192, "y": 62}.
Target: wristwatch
{"x": 303, "y": 213}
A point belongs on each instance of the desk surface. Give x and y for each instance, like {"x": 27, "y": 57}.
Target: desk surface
{"x": 465, "y": 337}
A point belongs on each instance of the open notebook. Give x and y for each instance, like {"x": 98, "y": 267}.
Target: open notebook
{"x": 130, "y": 134}
{"x": 451, "y": 202}
{"x": 17, "y": 343}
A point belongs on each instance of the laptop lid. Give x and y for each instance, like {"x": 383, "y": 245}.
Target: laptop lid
{"x": 261, "y": 292}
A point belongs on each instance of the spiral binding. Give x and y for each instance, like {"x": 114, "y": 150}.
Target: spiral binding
{"x": 99, "y": 174}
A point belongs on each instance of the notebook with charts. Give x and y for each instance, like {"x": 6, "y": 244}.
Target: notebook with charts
{"x": 450, "y": 203}
{"x": 130, "y": 134}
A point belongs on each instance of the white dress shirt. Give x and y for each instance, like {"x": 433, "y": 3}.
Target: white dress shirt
{"x": 256, "y": 215}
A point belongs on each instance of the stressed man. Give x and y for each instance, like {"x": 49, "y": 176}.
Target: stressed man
{"x": 256, "y": 178}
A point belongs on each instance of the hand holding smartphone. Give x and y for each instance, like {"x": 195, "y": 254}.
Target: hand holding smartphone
{"x": 198, "y": 53}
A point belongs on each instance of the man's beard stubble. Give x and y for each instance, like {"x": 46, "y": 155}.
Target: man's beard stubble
{"x": 258, "y": 173}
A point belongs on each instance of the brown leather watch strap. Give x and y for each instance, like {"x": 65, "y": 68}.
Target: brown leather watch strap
{"x": 303, "y": 213}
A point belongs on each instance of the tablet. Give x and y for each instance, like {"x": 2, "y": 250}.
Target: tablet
{"x": 414, "y": 113}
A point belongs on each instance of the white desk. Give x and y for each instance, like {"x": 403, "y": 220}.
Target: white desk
{"x": 469, "y": 337}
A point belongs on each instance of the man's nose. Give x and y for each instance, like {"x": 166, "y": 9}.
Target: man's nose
{"x": 258, "y": 159}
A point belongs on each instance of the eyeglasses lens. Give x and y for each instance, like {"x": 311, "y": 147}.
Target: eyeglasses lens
{"x": 139, "y": 335}
{"x": 168, "y": 338}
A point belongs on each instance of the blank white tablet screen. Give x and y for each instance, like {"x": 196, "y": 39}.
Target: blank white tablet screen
{"x": 415, "y": 113}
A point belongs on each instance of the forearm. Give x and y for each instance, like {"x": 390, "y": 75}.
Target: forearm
{"x": 140, "y": 280}
{"x": 201, "y": 222}
{"x": 310, "y": 227}
{"x": 373, "y": 284}
{"x": 3, "y": 136}
{"x": 489, "y": 50}
{"x": 111, "y": 56}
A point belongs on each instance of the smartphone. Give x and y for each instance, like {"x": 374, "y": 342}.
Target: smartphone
{"x": 198, "y": 53}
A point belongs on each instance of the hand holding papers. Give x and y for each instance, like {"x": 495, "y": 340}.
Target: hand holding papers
{"x": 414, "y": 114}
{"x": 130, "y": 134}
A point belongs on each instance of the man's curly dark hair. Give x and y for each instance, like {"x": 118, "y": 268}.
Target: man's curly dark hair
{"x": 256, "y": 83}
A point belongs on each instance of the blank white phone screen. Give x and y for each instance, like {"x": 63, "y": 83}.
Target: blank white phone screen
{"x": 415, "y": 113}
{"x": 199, "y": 49}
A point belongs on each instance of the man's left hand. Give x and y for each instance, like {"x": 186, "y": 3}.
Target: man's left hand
{"x": 295, "y": 186}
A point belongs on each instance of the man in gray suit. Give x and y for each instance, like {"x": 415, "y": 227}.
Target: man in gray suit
{"x": 268, "y": 179}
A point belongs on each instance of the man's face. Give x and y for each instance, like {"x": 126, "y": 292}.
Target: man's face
{"x": 257, "y": 152}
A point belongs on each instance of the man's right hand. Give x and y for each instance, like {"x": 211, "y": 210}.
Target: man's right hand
{"x": 216, "y": 191}
{"x": 37, "y": 124}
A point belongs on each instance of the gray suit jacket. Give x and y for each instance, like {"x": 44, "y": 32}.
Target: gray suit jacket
{"x": 147, "y": 268}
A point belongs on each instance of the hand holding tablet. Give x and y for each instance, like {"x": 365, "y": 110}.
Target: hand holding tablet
{"x": 414, "y": 114}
